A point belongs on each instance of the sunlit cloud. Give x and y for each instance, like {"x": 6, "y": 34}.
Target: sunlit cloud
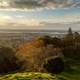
{"x": 18, "y": 21}
{"x": 39, "y": 18}
{"x": 23, "y": 20}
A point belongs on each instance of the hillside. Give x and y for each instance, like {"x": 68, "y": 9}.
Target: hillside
{"x": 70, "y": 73}
{"x": 28, "y": 76}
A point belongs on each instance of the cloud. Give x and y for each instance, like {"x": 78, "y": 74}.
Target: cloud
{"x": 18, "y": 21}
{"x": 39, "y": 3}
{"x": 22, "y": 22}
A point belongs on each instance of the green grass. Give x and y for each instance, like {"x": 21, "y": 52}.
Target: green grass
{"x": 28, "y": 76}
{"x": 68, "y": 75}
{"x": 72, "y": 73}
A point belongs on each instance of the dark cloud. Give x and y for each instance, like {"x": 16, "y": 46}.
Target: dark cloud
{"x": 39, "y": 3}
{"x": 61, "y": 3}
{"x": 25, "y": 3}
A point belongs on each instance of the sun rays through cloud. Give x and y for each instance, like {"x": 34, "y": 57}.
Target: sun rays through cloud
{"x": 39, "y": 14}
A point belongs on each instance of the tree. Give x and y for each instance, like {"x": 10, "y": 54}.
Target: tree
{"x": 77, "y": 38}
{"x": 46, "y": 39}
{"x": 69, "y": 38}
{"x": 57, "y": 42}
{"x": 72, "y": 52}
{"x": 7, "y": 60}
{"x": 34, "y": 53}
{"x": 54, "y": 65}
{"x": 70, "y": 31}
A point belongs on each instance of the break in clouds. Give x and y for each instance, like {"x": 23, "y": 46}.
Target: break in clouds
{"x": 39, "y": 3}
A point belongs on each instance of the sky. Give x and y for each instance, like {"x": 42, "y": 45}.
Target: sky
{"x": 40, "y": 14}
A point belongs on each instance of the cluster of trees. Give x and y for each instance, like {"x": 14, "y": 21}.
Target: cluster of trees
{"x": 71, "y": 39}
{"x": 42, "y": 54}
{"x": 54, "y": 65}
{"x": 71, "y": 48}
{"x": 33, "y": 54}
{"x": 7, "y": 60}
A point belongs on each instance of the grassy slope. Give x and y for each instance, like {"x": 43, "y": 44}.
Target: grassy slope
{"x": 68, "y": 75}
{"x": 28, "y": 76}
{"x": 73, "y": 73}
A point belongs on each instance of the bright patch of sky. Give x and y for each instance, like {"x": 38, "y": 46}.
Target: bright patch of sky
{"x": 44, "y": 14}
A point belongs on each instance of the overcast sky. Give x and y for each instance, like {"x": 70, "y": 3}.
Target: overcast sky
{"x": 40, "y": 14}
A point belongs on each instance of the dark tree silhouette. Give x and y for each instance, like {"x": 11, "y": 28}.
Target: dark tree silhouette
{"x": 46, "y": 39}
{"x": 7, "y": 60}
{"x": 54, "y": 65}
{"x": 33, "y": 54}
{"x": 72, "y": 52}
{"x": 57, "y": 42}
{"x": 68, "y": 40}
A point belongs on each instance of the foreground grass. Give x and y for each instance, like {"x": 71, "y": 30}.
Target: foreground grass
{"x": 28, "y": 76}
{"x": 72, "y": 73}
{"x": 68, "y": 75}
{"x": 42, "y": 76}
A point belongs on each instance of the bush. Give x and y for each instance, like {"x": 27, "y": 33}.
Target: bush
{"x": 7, "y": 60}
{"x": 72, "y": 52}
{"x": 32, "y": 55}
{"x": 46, "y": 39}
{"x": 54, "y": 65}
{"x": 57, "y": 42}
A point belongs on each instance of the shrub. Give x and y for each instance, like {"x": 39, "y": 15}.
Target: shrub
{"x": 54, "y": 65}
{"x": 57, "y": 42}
{"x": 7, "y": 60}
{"x": 32, "y": 55}
{"x": 72, "y": 52}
